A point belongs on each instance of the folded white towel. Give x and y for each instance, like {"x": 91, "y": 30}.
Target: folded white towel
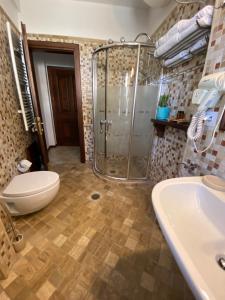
{"x": 176, "y": 39}
{"x": 183, "y": 55}
{"x": 205, "y": 21}
{"x": 177, "y": 28}
{"x": 192, "y": 28}
{"x": 167, "y": 46}
{"x": 199, "y": 44}
{"x": 206, "y": 11}
{"x": 203, "y": 17}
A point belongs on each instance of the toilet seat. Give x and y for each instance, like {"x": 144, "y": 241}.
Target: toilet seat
{"x": 31, "y": 183}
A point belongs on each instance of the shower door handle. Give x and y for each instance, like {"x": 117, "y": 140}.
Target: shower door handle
{"x": 102, "y": 122}
{"x": 108, "y": 126}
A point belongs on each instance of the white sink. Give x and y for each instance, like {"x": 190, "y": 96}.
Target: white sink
{"x": 192, "y": 218}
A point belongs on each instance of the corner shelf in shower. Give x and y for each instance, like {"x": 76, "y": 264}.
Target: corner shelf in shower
{"x": 161, "y": 125}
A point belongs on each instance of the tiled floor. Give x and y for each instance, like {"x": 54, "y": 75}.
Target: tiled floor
{"x": 117, "y": 167}
{"x": 64, "y": 154}
{"x": 79, "y": 248}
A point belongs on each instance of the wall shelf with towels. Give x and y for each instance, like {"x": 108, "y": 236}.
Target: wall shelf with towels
{"x": 185, "y": 39}
{"x": 187, "y": 42}
{"x": 186, "y": 59}
{"x": 160, "y": 126}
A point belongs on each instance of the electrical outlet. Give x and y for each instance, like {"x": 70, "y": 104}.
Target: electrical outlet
{"x": 211, "y": 118}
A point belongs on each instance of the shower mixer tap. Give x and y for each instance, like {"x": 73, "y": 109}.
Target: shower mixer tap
{"x": 107, "y": 123}
{"x": 102, "y": 122}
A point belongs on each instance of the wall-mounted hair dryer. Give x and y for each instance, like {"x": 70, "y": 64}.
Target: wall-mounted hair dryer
{"x": 209, "y": 92}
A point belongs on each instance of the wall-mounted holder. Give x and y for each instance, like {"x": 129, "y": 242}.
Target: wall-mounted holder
{"x": 161, "y": 125}
{"x": 16, "y": 238}
{"x": 7, "y": 253}
{"x": 222, "y": 123}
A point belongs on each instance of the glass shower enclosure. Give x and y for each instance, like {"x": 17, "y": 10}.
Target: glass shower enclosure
{"x": 124, "y": 103}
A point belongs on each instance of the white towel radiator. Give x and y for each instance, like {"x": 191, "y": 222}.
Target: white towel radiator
{"x": 21, "y": 78}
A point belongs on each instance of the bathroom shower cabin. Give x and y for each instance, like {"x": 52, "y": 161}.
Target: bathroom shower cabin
{"x": 124, "y": 104}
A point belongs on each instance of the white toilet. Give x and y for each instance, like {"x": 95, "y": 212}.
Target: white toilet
{"x": 30, "y": 192}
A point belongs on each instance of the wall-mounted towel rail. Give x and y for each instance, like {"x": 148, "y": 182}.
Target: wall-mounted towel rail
{"x": 187, "y": 58}
{"x": 186, "y": 42}
{"x": 21, "y": 78}
{"x": 171, "y": 76}
{"x": 166, "y": 78}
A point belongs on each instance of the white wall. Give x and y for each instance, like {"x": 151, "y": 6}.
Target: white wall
{"x": 11, "y": 7}
{"x": 83, "y": 19}
{"x": 41, "y": 62}
{"x": 158, "y": 15}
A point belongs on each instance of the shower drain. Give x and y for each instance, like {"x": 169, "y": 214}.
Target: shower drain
{"x": 95, "y": 196}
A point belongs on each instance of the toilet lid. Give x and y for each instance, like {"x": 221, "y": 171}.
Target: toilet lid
{"x": 30, "y": 183}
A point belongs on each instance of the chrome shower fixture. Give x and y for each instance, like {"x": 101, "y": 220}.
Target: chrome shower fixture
{"x": 142, "y": 34}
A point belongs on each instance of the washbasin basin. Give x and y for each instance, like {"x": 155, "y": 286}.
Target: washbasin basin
{"x": 192, "y": 219}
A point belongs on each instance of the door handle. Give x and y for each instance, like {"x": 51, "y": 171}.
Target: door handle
{"x": 102, "y": 122}
{"x": 38, "y": 126}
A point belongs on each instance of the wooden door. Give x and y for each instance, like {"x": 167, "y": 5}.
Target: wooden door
{"x": 38, "y": 125}
{"x": 64, "y": 105}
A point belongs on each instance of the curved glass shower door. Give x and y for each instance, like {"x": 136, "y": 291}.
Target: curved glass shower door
{"x": 122, "y": 105}
{"x": 115, "y": 82}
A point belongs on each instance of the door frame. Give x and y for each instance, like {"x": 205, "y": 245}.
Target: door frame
{"x": 38, "y": 128}
{"x": 66, "y": 48}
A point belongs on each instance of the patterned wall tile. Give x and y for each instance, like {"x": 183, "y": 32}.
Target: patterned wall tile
{"x": 168, "y": 151}
{"x": 213, "y": 160}
{"x": 13, "y": 138}
{"x": 166, "y": 154}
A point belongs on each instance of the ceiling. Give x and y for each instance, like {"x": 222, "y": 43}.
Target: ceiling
{"x": 129, "y": 3}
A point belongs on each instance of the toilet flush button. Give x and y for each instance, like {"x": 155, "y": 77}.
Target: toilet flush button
{"x": 214, "y": 182}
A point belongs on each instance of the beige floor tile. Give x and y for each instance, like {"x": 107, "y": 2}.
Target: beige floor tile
{"x": 76, "y": 252}
{"x": 60, "y": 240}
{"x": 79, "y": 248}
{"x": 11, "y": 277}
{"x": 128, "y": 222}
{"x": 27, "y": 248}
{"x": 147, "y": 282}
{"x": 111, "y": 259}
{"x": 45, "y": 291}
{"x": 83, "y": 241}
{"x": 3, "y": 296}
{"x": 131, "y": 244}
